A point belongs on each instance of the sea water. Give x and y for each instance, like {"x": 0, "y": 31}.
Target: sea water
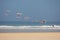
{"x": 21, "y": 24}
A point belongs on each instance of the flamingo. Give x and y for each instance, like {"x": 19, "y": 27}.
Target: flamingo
{"x": 26, "y": 18}
{"x": 18, "y": 14}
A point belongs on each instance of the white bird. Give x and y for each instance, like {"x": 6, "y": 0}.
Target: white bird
{"x": 18, "y": 14}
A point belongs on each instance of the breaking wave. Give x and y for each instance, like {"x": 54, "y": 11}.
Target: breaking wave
{"x": 27, "y": 27}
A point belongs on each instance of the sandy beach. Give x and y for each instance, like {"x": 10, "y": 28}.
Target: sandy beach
{"x": 34, "y": 33}
{"x": 30, "y": 36}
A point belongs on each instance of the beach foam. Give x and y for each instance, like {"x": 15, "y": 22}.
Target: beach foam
{"x": 27, "y": 27}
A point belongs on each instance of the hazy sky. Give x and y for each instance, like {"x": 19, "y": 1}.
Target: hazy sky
{"x": 30, "y": 9}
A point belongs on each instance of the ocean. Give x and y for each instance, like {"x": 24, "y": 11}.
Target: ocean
{"x": 21, "y": 23}
{"x": 20, "y": 26}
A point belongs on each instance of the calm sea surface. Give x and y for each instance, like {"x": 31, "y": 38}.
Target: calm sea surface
{"x": 19, "y": 23}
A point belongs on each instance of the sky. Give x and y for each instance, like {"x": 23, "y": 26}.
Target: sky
{"x": 29, "y": 10}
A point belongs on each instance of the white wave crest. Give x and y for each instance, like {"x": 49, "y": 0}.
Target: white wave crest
{"x": 28, "y": 27}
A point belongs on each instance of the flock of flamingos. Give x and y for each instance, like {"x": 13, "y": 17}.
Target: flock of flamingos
{"x": 18, "y": 14}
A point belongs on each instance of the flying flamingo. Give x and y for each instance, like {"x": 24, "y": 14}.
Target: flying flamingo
{"x": 26, "y": 18}
{"x": 18, "y": 14}
{"x": 7, "y": 12}
{"x": 43, "y": 21}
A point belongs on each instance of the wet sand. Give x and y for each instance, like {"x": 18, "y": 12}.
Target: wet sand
{"x": 30, "y": 36}
{"x": 29, "y": 30}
